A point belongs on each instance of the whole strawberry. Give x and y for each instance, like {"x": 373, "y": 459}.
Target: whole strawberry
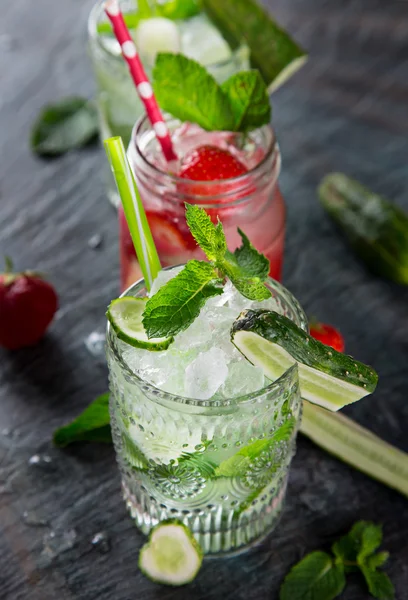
{"x": 27, "y": 306}
{"x": 327, "y": 335}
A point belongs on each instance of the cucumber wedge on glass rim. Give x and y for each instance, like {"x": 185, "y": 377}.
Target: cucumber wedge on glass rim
{"x": 125, "y": 316}
{"x": 357, "y": 446}
{"x": 326, "y": 377}
{"x": 172, "y": 556}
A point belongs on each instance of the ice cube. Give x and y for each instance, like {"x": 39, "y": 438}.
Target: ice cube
{"x": 163, "y": 277}
{"x": 157, "y": 35}
{"x": 205, "y": 375}
{"x": 243, "y": 378}
{"x": 202, "y": 41}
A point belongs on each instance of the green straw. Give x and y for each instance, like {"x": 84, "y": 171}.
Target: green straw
{"x": 133, "y": 208}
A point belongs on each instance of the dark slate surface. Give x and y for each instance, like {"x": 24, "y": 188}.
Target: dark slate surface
{"x": 347, "y": 110}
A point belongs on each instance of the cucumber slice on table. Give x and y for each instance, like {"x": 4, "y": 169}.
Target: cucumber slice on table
{"x": 125, "y": 316}
{"x": 327, "y": 377}
{"x": 172, "y": 556}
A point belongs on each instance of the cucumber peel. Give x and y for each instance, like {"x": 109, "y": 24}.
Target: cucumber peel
{"x": 355, "y": 445}
{"x": 327, "y": 377}
{"x": 172, "y": 556}
{"x": 125, "y": 316}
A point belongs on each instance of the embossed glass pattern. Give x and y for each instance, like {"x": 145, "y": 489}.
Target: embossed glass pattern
{"x": 221, "y": 466}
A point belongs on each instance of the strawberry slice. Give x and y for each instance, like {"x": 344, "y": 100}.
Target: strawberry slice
{"x": 327, "y": 334}
{"x": 209, "y": 163}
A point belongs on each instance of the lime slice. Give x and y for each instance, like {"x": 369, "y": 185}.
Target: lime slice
{"x": 172, "y": 556}
{"x": 273, "y": 52}
{"x": 274, "y": 343}
{"x": 125, "y": 316}
{"x": 157, "y": 35}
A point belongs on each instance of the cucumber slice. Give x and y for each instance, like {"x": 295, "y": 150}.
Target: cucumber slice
{"x": 172, "y": 556}
{"x": 327, "y": 377}
{"x": 356, "y": 446}
{"x": 125, "y": 316}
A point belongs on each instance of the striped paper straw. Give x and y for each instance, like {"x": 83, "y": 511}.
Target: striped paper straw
{"x": 142, "y": 83}
{"x": 133, "y": 208}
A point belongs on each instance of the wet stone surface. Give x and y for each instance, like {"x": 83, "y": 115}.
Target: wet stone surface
{"x": 346, "y": 110}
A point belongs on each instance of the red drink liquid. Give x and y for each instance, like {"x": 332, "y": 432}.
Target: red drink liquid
{"x": 251, "y": 201}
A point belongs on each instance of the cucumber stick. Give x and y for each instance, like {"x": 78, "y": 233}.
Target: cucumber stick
{"x": 171, "y": 556}
{"x": 376, "y": 229}
{"x": 274, "y": 343}
{"x": 342, "y": 437}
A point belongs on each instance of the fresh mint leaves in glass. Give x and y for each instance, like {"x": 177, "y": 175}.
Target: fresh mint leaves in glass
{"x": 200, "y": 434}
{"x": 229, "y": 162}
{"x": 155, "y": 28}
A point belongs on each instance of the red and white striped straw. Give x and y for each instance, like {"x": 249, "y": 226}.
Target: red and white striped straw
{"x": 142, "y": 83}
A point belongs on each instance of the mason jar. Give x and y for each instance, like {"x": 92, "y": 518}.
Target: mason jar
{"x": 251, "y": 202}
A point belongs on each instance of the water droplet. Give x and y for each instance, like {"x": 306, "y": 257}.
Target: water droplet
{"x": 95, "y": 241}
{"x": 95, "y": 343}
{"x": 56, "y": 543}
{"x": 347, "y": 373}
{"x": 34, "y": 519}
{"x": 41, "y": 461}
{"x": 101, "y": 542}
{"x": 330, "y": 353}
{"x": 238, "y": 443}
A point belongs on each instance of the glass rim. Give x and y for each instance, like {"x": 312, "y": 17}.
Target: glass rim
{"x": 271, "y": 152}
{"x": 93, "y": 20}
{"x": 272, "y": 387}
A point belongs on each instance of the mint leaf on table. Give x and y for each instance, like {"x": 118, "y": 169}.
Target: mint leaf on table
{"x": 92, "y": 425}
{"x": 379, "y": 584}
{"x": 68, "y": 124}
{"x": 272, "y": 51}
{"x": 185, "y": 89}
{"x": 175, "y": 306}
{"x": 316, "y": 577}
{"x": 209, "y": 237}
{"x": 249, "y": 100}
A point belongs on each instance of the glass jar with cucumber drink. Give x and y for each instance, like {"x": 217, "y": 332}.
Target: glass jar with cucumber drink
{"x": 208, "y": 363}
{"x": 194, "y": 28}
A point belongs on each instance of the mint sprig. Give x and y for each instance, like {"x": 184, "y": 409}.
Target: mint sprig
{"x": 178, "y": 303}
{"x": 322, "y": 577}
{"x": 185, "y": 89}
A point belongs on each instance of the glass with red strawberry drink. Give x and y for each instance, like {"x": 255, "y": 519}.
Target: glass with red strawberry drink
{"x": 231, "y": 175}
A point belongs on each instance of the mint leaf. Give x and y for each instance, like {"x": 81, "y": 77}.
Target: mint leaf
{"x": 249, "y": 100}
{"x": 92, "y": 425}
{"x": 379, "y": 584}
{"x": 273, "y": 52}
{"x": 132, "y": 454}
{"x": 178, "y": 9}
{"x": 316, "y": 577}
{"x": 60, "y": 127}
{"x": 175, "y": 306}
{"x": 251, "y": 262}
{"x": 370, "y": 537}
{"x": 186, "y": 90}
{"x": 361, "y": 541}
{"x": 237, "y": 465}
{"x": 196, "y": 459}
{"x": 209, "y": 237}
{"x": 377, "y": 560}
{"x": 252, "y": 288}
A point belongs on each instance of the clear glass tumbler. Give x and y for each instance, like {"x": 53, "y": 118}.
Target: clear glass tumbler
{"x": 172, "y": 450}
{"x": 251, "y": 201}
